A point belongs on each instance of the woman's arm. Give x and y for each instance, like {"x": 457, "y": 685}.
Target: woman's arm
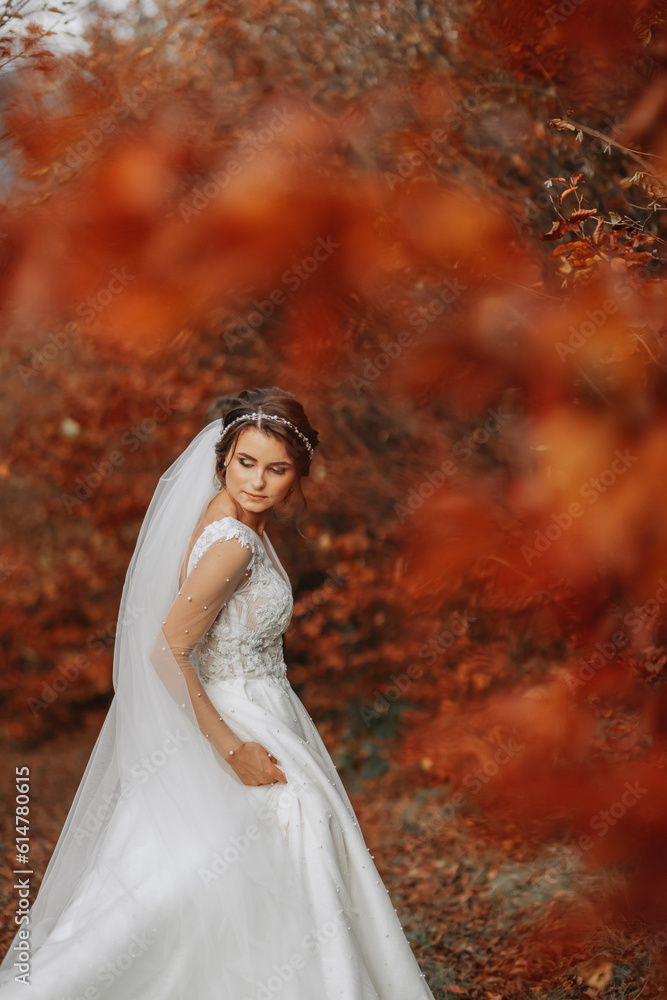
{"x": 221, "y": 570}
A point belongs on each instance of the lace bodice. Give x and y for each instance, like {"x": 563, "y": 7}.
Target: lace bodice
{"x": 245, "y": 639}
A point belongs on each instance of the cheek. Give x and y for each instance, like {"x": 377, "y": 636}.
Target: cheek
{"x": 236, "y": 474}
{"x": 286, "y": 483}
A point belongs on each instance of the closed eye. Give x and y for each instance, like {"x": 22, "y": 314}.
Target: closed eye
{"x": 278, "y": 471}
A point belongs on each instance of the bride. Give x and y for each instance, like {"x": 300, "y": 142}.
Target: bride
{"x": 211, "y": 851}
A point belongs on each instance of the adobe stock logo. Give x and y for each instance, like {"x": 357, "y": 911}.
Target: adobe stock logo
{"x": 464, "y": 448}
{"x": 591, "y": 491}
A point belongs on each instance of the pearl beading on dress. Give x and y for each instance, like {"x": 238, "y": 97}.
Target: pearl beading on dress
{"x": 245, "y": 640}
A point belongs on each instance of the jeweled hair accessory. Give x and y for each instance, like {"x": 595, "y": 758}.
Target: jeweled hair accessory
{"x": 270, "y": 416}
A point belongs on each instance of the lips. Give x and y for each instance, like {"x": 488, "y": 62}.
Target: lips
{"x": 254, "y": 496}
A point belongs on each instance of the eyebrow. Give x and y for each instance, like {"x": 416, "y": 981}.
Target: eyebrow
{"x": 244, "y": 454}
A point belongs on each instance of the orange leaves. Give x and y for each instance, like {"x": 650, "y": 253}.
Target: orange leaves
{"x": 315, "y": 333}
{"x": 566, "y": 192}
{"x": 581, "y": 214}
{"x": 448, "y": 530}
{"x": 135, "y": 180}
{"x": 558, "y": 229}
{"x": 487, "y": 508}
{"x": 603, "y": 29}
{"x": 612, "y": 239}
{"x": 578, "y": 247}
{"x": 456, "y": 229}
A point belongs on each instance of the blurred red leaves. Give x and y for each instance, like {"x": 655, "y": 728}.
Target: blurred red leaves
{"x": 492, "y": 406}
{"x": 591, "y": 48}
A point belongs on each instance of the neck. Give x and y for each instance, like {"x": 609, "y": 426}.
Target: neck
{"x": 223, "y": 506}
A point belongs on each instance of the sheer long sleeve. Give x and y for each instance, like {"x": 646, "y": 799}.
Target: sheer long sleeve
{"x": 220, "y": 571}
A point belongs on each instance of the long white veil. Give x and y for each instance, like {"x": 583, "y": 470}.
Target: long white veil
{"x": 166, "y": 861}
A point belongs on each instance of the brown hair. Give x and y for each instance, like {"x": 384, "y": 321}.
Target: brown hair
{"x": 275, "y": 402}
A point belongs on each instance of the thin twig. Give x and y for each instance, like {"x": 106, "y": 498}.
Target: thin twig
{"x": 649, "y": 352}
{"x": 592, "y": 384}
{"x": 566, "y": 126}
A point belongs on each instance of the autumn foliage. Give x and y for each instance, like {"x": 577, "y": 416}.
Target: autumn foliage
{"x": 442, "y": 227}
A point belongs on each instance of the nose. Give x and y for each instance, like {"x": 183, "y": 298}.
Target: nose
{"x": 258, "y": 480}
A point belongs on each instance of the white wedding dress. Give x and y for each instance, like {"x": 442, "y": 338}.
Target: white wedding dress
{"x": 276, "y": 894}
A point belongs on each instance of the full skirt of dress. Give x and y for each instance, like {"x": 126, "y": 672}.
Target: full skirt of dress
{"x": 117, "y": 938}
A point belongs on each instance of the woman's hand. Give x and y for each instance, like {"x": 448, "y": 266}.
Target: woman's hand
{"x": 254, "y": 765}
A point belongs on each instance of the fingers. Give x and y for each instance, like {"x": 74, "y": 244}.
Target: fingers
{"x": 266, "y": 769}
{"x": 268, "y": 781}
{"x": 278, "y": 776}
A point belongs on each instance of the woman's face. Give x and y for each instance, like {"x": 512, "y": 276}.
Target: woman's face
{"x": 259, "y": 472}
